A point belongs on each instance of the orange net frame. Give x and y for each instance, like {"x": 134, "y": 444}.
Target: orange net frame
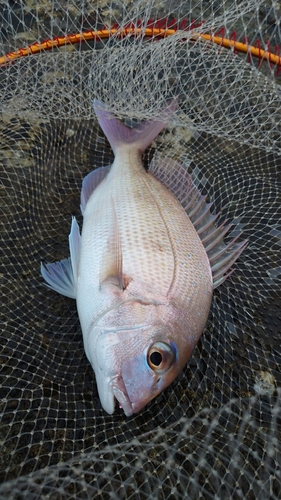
{"x": 154, "y": 30}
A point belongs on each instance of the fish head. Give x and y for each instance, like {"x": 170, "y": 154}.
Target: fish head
{"x": 133, "y": 365}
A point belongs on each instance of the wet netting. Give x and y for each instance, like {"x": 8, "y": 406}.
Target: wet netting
{"x": 215, "y": 433}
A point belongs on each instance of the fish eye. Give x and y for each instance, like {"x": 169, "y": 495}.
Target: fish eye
{"x": 160, "y": 357}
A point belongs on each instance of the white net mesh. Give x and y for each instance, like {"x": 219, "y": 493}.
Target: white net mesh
{"x": 215, "y": 433}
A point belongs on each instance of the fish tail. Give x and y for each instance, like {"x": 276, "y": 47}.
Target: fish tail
{"x": 140, "y": 136}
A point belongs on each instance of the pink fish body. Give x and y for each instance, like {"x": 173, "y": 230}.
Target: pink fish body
{"x": 144, "y": 268}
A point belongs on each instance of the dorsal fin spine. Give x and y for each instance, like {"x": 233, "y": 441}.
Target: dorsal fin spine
{"x": 178, "y": 180}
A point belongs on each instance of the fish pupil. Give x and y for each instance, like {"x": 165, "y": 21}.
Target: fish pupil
{"x": 156, "y": 358}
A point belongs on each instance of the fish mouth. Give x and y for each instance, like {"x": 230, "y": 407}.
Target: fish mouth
{"x": 120, "y": 393}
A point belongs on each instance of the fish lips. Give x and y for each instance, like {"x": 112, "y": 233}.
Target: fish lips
{"x": 136, "y": 385}
{"x": 115, "y": 389}
{"x": 120, "y": 393}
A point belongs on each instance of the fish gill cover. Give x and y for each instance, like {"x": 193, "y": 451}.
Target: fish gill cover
{"x": 216, "y": 431}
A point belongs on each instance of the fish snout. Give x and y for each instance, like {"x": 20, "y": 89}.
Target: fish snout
{"x": 107, "y": 362}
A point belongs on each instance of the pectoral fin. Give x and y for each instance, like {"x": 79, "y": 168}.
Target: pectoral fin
{"x": 111, "y": 265}
{"x": 74, "y": 247}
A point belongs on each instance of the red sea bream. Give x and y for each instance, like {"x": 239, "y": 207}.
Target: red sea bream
{"x": 144, "y": 268}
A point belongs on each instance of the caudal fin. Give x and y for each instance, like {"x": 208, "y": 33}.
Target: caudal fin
{"x": 140, "y": 136}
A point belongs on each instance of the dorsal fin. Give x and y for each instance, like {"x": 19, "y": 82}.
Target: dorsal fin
{"x": 221, "y": 256}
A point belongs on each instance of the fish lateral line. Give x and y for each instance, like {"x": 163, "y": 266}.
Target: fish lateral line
{"x": 221, "y": 255}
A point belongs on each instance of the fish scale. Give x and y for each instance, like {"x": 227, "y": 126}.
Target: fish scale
{"x": 138, "y": 230}
{"x": 186, "y": 246}
{"x": 145, "y": 223}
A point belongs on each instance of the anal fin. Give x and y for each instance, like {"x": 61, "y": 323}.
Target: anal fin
{"x": 90, "y": 183}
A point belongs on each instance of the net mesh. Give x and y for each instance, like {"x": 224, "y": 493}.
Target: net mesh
{"x": 215, "y": 433}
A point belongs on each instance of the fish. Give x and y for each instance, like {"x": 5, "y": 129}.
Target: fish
{"x": 144, "y": 268}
